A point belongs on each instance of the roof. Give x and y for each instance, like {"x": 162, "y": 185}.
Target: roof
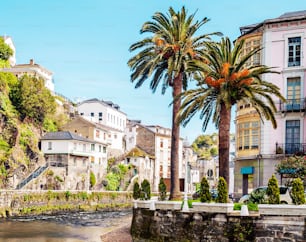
{"x": 105, "y": 103}
{"x": 138, "y": 152}
{"x": 289, "y": 16}
{"x": 63, "y": 135}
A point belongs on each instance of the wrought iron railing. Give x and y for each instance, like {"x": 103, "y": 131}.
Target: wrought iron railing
{"x": 33, "y": 175}
{"x": 291, "y": 148}
{"x": 291, "y": 105}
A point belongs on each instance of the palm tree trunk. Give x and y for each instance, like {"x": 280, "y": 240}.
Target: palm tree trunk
{"x": 175, "y": 138}
{"x": 224, "y": 141}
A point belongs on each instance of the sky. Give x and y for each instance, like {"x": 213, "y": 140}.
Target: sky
{"x": 85, "y": 43}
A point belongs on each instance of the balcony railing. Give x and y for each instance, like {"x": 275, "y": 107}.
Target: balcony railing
{"x": 291, "y": 148}
{"x": 292, "y": 105}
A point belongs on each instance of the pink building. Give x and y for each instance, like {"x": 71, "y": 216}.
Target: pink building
{"x": 260, "y": 147}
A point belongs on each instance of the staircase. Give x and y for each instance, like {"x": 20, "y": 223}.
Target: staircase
{"x": 34, "y": 175}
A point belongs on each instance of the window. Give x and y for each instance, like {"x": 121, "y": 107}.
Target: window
{"x": 92, "y": 147}
{"x": 292, "y": 136}
{"x": 92, "y": 114}
{"x": 293, "y": 93}
{"x": 100, "y": 148}
{"x": 248, "y": 135}
{"x": 49, "y": 145}
{"x": 294, "y": 51}
{"x": 104, "y": 149}
{"x": 98, "y": 133}
{"x": 100, "y": 116}
{"x": 82, "y": 114}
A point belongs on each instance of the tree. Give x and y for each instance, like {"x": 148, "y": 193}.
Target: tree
{"x": 205, "y": 195}
{"x": 145, "y": 193}
{"x": 92, "y": 179}
{"x": 32, "y": 99}
{"x": 136, "y": 191}
{"x": 163, "y": 58}
{"x": 162, "y": 188}
{"x": 223, "y": 80}
{"x": 5, "y": 53}
{"x": 297, "y": 192}
{"x": 222, "y": 191}
{"x": 273, "y": 191}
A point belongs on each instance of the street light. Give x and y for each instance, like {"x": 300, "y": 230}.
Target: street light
{"x": 259, "y": 157}
{"x": 185, "y": 206}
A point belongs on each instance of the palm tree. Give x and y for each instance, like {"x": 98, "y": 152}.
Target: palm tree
{"x": 163, "y": 58}
{"x": 223, "y": 80}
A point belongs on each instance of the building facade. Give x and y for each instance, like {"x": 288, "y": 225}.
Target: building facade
{"x": 260, "y": 147}
{"x": 108, "y": 114}
{"x": 155, "y": 141}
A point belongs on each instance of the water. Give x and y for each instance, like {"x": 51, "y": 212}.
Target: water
{"x": 69, "y": 227}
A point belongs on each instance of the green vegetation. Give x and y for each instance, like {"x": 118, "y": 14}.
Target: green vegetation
{"x": 292, "y": 167}
{"x": 145, "y": 193}
{"x": 205, "y": 195}
{"x": 297, "y": 192}
{"x": 136, "y": 191}
{"x": 163, "y": 57}
{"x": 92, "y": 179}
{"x": 251, "y": 206}
{"x": 162, "y": 189}
{"x": 222, "y": 191}
{"x": 206, "y": 146}
{"x": 115, "y": 176}
{"x": 273, "y": 191}
{"x": 223, "y": 81}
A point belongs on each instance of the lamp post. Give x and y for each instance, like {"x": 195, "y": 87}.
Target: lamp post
{"x": 259, "y": 156}
{"x": 185, "y": 206}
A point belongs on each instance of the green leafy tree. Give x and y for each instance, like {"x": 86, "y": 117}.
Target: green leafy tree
{"x": 205, "y": 195}
{"x": 163, "y": 57}
{"x": 32, "y": 99}
{"x": 162, "y": 188}
{"x": 92, "y": 179}
{"x": 145, "y": 193}
{"x": 297, "y": 192}
{"x": 293, "y": 167}
{"x": 273, "y": 191}
{"x": 5, "y": 53}
{"x": 136, "y": 191}
{"x": 223, "y": 80}
{"x": 222, "y": 191}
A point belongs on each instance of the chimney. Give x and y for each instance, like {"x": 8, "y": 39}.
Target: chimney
{"x": 31, "y": 62}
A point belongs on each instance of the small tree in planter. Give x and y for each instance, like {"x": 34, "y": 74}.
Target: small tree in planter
{"x": 273, "y": 191}
{"x": 92, "y": 179}
{"x": 205, "y": 195}
{"x": 222, "y": 191}
{"x": 136, "y": 191}
{"x": 162, "y": 189}
{"x": 145, "y": 193}
{"x": 297, "y": 192}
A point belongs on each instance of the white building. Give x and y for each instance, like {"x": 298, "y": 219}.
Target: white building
{"x": 72, "y": 154}
{"x": 109, "y": 115}
{"x": 9, "y": 41}
{"x": 32, "y": 69}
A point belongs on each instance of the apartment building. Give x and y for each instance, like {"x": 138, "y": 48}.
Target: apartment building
{"x": 155, "y": 141}
{"x": 259, "y": 147}
{"x": 109, "y": 115}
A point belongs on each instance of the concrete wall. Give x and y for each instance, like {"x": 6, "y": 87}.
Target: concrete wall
{"x": 169, "y": 225}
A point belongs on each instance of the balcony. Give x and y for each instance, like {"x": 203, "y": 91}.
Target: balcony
{"x": 291, "y": 149}
{"x": 292, "y": 105}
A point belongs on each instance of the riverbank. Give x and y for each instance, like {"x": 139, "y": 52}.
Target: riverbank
{"x": 120, "y": 232}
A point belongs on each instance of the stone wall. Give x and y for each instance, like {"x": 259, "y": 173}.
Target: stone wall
{"x": 176, "y": 226}
{"x": 21, "y": 202}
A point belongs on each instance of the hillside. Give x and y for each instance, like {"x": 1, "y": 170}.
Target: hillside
{"x": 27, "y": 110}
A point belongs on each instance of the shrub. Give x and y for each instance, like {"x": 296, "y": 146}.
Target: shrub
{"x": 92, "y": 179}
{"x": 205, "y": 195}
{"x": 162, "y": 189}
{"x": 273, "y": 191}
{"x": 297, "y": 192}
{"x": 258, "y": 197}
{"x": 145, "y": 190}
{"x": 222, "y": 191}
{"x": 136, "y": 191}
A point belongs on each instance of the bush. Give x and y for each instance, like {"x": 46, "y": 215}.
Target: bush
{"x": 145, "y": 190}
{"x": 92, "y": 179}
{"x": 162, "y": 189}
{"x": 222, "y": 191}
{"x": 205, "y": 195}
{"x": 136, "y": 191}
{"x": 297, "y": 192}
{"x": 273, "y": 191}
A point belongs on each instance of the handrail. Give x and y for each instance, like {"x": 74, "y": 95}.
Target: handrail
{"x": 33, "y": 175}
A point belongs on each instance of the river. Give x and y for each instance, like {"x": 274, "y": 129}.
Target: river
{"x": 67, "y": 227}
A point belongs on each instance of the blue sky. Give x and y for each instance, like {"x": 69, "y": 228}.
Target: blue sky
{"x": 85, "y": 44}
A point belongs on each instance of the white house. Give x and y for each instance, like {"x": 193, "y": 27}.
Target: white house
{"x": 74, "y": 154}
{"x": 109, "y": 115}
